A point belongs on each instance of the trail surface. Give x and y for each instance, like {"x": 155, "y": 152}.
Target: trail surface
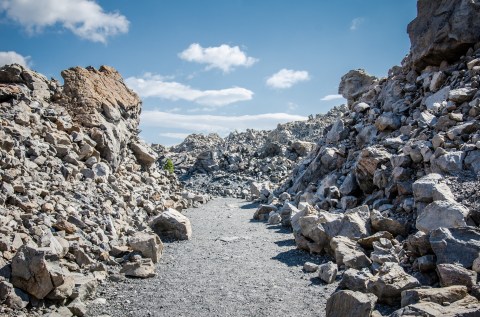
{"x": 232, "y": 266}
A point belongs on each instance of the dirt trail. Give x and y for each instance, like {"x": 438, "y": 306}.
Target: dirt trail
{"x": 231, "y": 267}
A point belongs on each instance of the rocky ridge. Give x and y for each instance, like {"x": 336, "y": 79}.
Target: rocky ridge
{"x": 78, "y": 190}
{"x": 227, "y": 166}
{"x": 391, "y": 193}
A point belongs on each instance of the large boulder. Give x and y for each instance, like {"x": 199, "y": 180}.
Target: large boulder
{"x": 349, "y": 253}
{"x": 30, "y": 272}
{"x": 442, "y": 213}
{"x": 355, "y": 83}
{"x": 171, "y": 224}
{"x": 350, "y": 303}
{"x": 370, "y": 159}
{"x": 144, "y": 155}
{"x": 149, "y": 245}
{"x": 456, "y": 245}
{"x": 443, "y": 30}
{"x": 389, "y": 283}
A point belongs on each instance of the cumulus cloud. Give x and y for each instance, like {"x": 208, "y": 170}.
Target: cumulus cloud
{"x": 214, "y": 123}
{"x": 355, "y": 24}
{"x": 331, "y": 97}
{"x": 84, "y": 18}
{"x": 155, "y": 86}
{"x": 11, "y": 57}
{"x": 223, "y": 57}
{"x": 286, "y": 78}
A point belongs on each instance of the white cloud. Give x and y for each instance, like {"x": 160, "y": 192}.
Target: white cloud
{"x": 286, "y": 78}
{"x": 155, "y": 86}
{"x": 172, "y": 135}
{"x": 223, "y": 57}
{"x": 85, "y": 18}
{"x": 11, "y": 57}
{"x": 214, "y": 123}
{"x": 331, "y": 97}
{"x": 355, "y": 24}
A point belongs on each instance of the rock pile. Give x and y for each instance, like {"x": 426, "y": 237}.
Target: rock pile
{"x": 227, "y": 166}
{"x": 391, "y": 192}
{"x": 77, "y": 189}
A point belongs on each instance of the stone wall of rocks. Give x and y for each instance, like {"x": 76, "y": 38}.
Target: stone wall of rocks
{"x": 391, "y": 193}
{"x": 78, "y": 190}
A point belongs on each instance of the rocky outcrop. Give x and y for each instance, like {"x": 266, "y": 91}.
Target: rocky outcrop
{"x": 77, "y": 187}
{"x": 443, "y": 31}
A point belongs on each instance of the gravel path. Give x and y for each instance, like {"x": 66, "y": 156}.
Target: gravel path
{"x": 232, "y": 267}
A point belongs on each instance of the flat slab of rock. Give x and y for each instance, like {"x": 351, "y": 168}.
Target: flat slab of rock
{"x": 436, "y": 295}
{"x": 143, "y": 268}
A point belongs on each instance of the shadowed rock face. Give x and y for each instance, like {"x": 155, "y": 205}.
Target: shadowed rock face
{"x": 443, "y": 30}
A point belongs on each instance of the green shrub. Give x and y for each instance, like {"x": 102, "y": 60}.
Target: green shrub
{"x": 169, "y": 166}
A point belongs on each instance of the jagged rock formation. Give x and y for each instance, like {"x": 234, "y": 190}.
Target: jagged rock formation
{"x": 77, "y": 187}
{"x": 392, "y": 193}
{"x": 227, "y": 166}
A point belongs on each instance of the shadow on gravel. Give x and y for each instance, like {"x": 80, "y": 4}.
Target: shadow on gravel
{"x": 286, "y": 243}
{"x": 249, "y": 206}
{"x": 280, "y": 229}
{"x": 292, "y": 257}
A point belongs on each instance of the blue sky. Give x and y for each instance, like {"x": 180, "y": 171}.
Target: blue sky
{"x": 212, "y": 65}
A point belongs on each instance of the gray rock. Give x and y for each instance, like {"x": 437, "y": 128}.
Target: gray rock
{"x": 388, "y": 121}
{"x": 437, "y": 100}
{"x": 450, "y": 162}
{"x": 31, "y": 272}
{"x": 390, "y": 282}
{"x": 355, "y": 83}
{"x": 327, "y": 272}
{"x": 263, "y": 211}
{"x": 349, "y": 253}
{"x": 440, "y": 296}
{"x": 171, "y": 224}
{"x": 337, "y": 132}
{"x": 456, "y": 245}
{"x": 453, "y": 274}
{"x": 356, "y": 280}
{"x": 310, "y": 267}
{"x": 462, "y": 94}
{"x": 149, "y": 245}
{"x": 143, "y": 154}
{"x": 13, "y": 297}
{"x": 350, "y": 303}
{"x": 143, "y": 268}
{"x": 442, "y": 213}
{"x": 369, "y": 160}
{"x": 443, "y": 30}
